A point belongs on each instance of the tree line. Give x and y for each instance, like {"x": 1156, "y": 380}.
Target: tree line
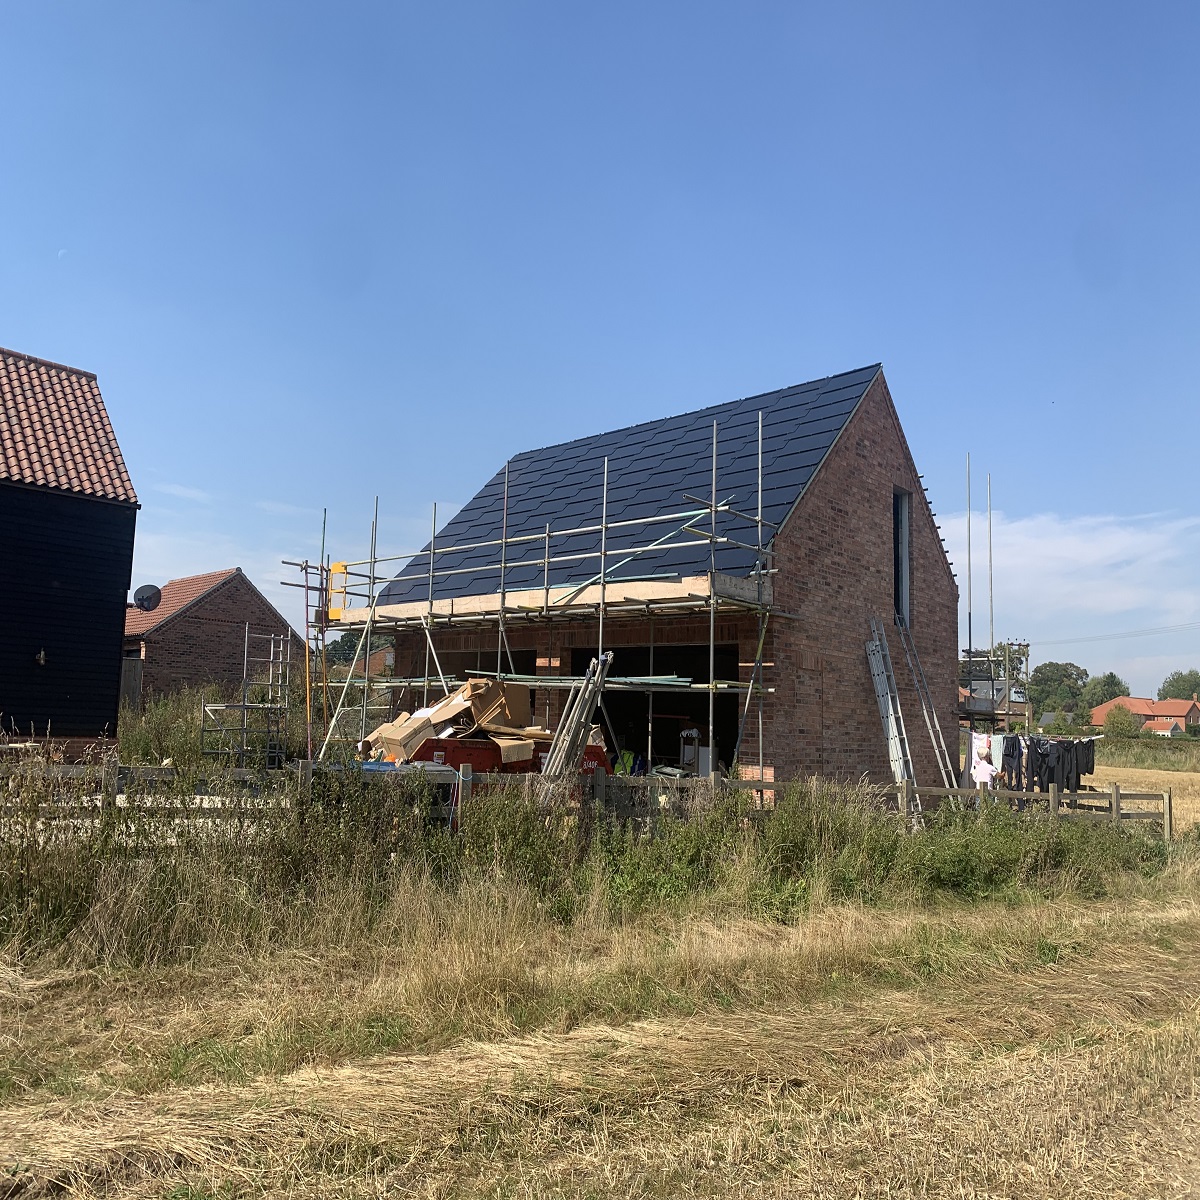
{"x": 1068, "y": 689}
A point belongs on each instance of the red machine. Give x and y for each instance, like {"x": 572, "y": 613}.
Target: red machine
{"x": 482, "y": 755}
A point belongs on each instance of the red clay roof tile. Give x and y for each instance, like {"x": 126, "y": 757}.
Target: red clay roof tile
{"x": 55, "y": 431}
{"x": 176, "y": 594}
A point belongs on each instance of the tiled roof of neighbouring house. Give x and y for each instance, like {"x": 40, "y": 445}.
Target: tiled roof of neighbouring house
{"x": 650, "y": 468}
{"x": 177, "y": 594}
{"x": 55, "y": 431}
{"x": 1142, "y": 706}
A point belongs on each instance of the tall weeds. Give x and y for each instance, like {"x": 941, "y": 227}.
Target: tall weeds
{"x": 364, "y": 858}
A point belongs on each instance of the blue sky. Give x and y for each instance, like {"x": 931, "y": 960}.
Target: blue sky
{"x": 321, "y": 252}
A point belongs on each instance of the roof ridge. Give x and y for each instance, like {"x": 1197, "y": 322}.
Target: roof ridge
{"x": 653, "y": 465}
{"x": 203, "y": 575}
{"x": 692, "y": 412}
{"x": 45, "y": 362}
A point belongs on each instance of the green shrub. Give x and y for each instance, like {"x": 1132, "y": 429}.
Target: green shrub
{"x": 1120, "y": 723}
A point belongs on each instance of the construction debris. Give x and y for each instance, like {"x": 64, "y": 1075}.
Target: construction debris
{"x": 486, "y": 724}
{"x": 482, "y": 710}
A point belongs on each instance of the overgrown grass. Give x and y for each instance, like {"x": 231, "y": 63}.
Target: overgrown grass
{"x": 167, "y": 727}
{"x": 1150, "y": 753}
{"x": 280, "y": 871}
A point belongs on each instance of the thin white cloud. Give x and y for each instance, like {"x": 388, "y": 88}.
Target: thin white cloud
{"x": 1057, "y": 578}
{"x": 278, "y": 509}
{"x": 184, "y": 493}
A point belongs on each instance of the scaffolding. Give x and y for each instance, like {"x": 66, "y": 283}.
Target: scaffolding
{"x": 349, "y": 596}
{"x": 252, "y": 732}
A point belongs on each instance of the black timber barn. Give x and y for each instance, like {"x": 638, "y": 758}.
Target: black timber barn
{"x": 67, "y": 514}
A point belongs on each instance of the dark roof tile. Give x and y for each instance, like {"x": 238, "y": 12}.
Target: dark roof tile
{"x": 650, "y": 468}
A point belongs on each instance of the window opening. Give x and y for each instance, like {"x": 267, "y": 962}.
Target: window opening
{"x": 901, "y": 567}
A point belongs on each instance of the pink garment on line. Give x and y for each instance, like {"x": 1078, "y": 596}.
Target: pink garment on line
{"x": 984, "y": 772}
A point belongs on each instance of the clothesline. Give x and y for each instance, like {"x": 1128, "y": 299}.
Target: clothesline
{"x": 1032, "y": 762}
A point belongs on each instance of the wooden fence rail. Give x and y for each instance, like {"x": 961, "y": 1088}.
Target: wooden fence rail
{"x": 1063, "y": 806}
{"x": 625, "y": 798}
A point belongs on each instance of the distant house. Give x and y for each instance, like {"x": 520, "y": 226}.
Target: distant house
{"x": 1164, "y": 727}
{"x": 67, "y": 511}
{"x": 1186, "y": 712}
{"x": 203, "y": 631}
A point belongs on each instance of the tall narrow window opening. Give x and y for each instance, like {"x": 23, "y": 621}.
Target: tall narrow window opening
{"x": 901, "y": 567}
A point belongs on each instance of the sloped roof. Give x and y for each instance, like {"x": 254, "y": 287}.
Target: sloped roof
{"x": 650, "y": 468}
{"x": 1138, "y": 705}
{"x": 55, "y": 431}
{"x": 1162, "y": 724}
{"x": 177, "y": 594}
{"x": 1143, "y": 706}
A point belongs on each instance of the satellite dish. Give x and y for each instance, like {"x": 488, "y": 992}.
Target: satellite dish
{"x": 147, "y": 597}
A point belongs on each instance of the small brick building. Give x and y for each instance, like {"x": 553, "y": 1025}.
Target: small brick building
{"x": 852, "y": 537}
{"x": 199, "y": 634}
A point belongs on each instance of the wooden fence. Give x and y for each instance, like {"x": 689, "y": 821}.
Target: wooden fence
{"x": 1112, "y": 805}
{"x": 642, "y": 798}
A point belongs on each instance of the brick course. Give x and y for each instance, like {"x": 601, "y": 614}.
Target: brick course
{"x": 835, "y": 561}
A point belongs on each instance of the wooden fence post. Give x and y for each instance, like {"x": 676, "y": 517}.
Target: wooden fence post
{"x": 905, "y": 796}
{"x": 1054, "y": 801}
{"x": 599, "y": 780}
{"x": 110, "y": 784}
{"x": 1114, "y": 804}
{"x": 464, "y": 791}
{"x": 1167, "y": 815}
{"x": 306, "y": 774}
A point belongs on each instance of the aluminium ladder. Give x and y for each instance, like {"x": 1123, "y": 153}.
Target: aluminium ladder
{"x": 566, "y": 750}
{"x": 884, "y": 678}
{"x": 928, "y": 708}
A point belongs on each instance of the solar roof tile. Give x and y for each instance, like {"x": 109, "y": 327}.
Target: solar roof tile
{"x": 651, "y": 466}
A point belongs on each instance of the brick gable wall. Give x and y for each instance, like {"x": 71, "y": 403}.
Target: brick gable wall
{"x": 206, "y": 642}
{"x": 834, "y": 558}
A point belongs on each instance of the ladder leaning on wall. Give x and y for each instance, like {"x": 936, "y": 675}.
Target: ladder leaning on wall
{"x": 884, "y": 679}
{"x": 928, "y": 708}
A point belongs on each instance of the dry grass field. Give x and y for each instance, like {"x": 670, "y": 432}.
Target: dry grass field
{"x": 342, "y": 999}
{"x": 1048, "y": 1049}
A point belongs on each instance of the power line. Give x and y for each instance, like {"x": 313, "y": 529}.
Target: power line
{"x": 1112, "y": 637}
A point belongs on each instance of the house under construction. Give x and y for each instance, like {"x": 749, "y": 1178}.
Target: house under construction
{"x": 732, "y": 559}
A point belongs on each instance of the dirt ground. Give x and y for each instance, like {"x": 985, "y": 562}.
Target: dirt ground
{"x": 1184, "y": 787}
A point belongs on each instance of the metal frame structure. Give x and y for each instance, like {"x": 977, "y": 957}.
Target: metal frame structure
{"x": 256, "y": 734}
{"x": 346, "y": 596}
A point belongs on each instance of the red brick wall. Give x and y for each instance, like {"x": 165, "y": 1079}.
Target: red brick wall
{"x": 553, "y": 645}
{"x": 835, "y": 561}
{"x": 205, "y": 643}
